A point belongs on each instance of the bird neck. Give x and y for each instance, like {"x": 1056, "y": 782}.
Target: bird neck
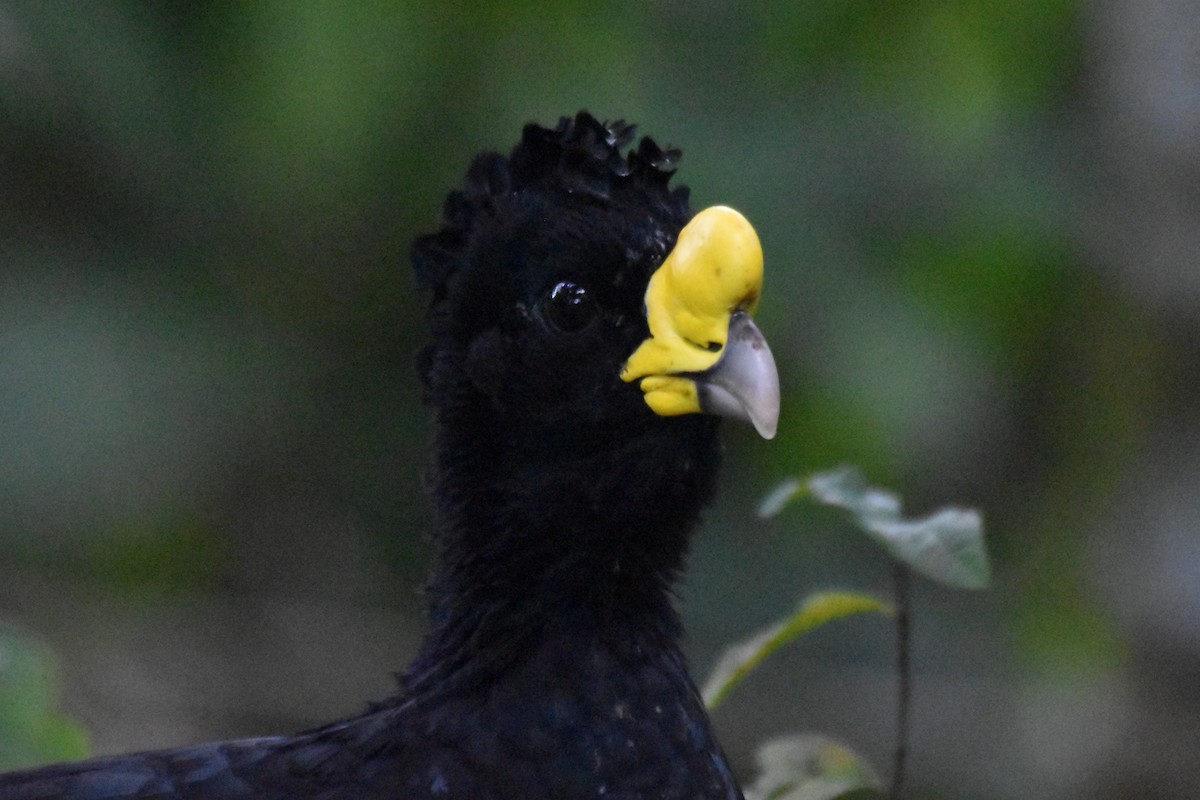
{"x": 576, "y": 542}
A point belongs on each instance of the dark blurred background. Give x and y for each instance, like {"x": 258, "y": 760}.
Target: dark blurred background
{"x": 983, "y": 252}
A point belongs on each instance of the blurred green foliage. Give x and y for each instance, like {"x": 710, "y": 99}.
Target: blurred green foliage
{"x": 32, "y": 729}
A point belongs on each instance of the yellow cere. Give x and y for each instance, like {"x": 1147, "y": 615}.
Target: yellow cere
{"x": 715, "y": 269}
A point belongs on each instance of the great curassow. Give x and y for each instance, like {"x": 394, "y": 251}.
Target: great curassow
{"x": 586, "y": 332}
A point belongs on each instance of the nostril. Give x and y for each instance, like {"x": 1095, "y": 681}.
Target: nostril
{"x": 711, "y": 347}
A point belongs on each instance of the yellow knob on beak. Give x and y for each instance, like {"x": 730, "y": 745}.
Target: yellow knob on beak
{"x": 705, "y": 354}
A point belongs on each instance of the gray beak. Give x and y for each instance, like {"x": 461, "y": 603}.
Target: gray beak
{"x": 744, "y": 383}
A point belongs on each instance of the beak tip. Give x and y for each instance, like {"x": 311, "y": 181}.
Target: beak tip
{"x": 765, "y": 417}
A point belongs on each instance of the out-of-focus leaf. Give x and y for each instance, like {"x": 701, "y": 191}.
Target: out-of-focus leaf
{"x": 778, "y": 498}
{"x": 740, "y": 659}
{"x": 946, "y": 546}
{"x": 32, "y": 730}
{"x": 810, "y": 767}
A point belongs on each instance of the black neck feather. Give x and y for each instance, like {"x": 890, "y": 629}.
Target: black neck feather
{"x": 530, "y": 541}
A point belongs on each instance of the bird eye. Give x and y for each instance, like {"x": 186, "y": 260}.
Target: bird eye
{"x": 568, "y": 307}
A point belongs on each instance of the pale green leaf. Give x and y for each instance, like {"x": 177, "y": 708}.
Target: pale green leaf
{"x": 946, "y": 546}
{"x": 810, "y": 767}
{"x": 740, "y": 659}
{"x": 32, "y": 729}
{"x": 778, "y": 498}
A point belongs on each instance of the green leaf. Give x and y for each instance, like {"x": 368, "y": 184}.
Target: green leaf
{"x": 810, "y": 767}
{"x": 946, "y": 546}
{"x": 778, "y": 498}
{"x": 32, "y": 731}
{"x": 739, "y": 660}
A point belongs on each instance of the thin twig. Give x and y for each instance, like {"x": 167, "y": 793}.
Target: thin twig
{"x": 903, "y": 677}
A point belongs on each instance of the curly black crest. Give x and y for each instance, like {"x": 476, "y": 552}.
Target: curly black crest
{"x": 580, "y": 157}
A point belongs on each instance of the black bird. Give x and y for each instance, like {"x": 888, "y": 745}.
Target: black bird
{"x": 583, "y": 343}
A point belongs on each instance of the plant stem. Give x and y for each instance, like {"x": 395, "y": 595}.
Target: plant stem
{"x": 900, "y": 578}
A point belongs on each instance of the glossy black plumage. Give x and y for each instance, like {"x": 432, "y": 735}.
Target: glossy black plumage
{"x": 564, "y": 508}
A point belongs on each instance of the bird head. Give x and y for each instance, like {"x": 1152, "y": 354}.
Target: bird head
{"x": 576, "y": 298}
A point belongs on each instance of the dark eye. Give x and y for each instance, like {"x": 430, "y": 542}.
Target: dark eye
{"x": 568, "y": 307}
